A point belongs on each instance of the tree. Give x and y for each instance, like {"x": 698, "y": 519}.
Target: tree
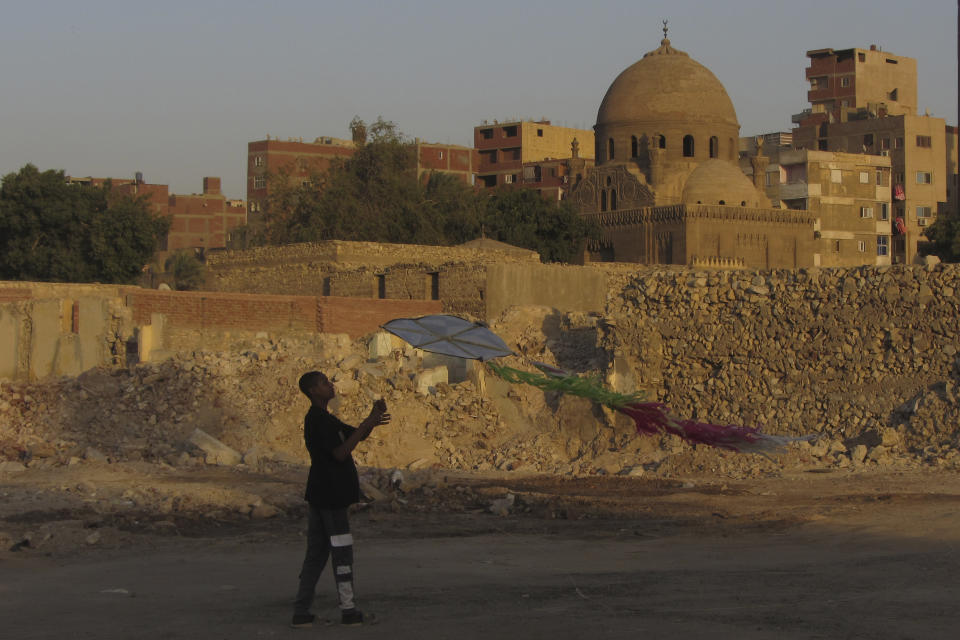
{"x": 52, "y": 230}
{"x": 377, "y": 196}
{"x": 187, "y": 270}
{"x": 944, "y": 236}
{"x": 523, "y": 218}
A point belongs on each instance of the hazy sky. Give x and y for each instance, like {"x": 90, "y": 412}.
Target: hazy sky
{"x": 176, "y": 89}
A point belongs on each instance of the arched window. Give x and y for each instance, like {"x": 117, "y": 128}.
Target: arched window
{"x": 609, "y": 181}
{"x": 610, "y": 155}
{"x": 634, "y": 147}
{"x": 603, "y": 200}
{"x": 714, "y": 147}
{"x": 688, "y": 146}
{"x": 662, "y": 142}
{"x": 613, "y": 200}
{"x": 722, "y": 202}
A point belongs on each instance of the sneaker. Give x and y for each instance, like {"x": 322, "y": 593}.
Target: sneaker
{"x": 351, "y": 618}
{"x": 303, "y": 620}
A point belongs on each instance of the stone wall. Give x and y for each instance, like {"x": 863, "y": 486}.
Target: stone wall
{"x": 64, "y": 329}
{"x": 844, "y": 351}
{"x": 563, "y": 288}
{"x": 455, "y": 275}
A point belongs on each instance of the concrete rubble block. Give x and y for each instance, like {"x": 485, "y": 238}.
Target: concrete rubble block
{"x": 380, "y": 345}
{"x": 94, "y": 455}
{"x": 372, "y": 492}
{"x": 858, "y": 453}
{"x": 351, "y": 362}
{"x": 216, "y": 452}
{"x": 503, "y": 506}
{"x": 347, "y": 386}
{"x": 427, "y": 380}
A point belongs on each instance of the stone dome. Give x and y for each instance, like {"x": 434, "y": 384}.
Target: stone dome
{"x": 722, "y": 182}
{"x": 667, "y": 86}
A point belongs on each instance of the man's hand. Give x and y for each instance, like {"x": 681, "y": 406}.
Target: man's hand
{"x": 378, "y": 414}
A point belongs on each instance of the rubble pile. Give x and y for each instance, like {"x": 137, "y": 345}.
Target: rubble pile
{"x": 865, "y": 359}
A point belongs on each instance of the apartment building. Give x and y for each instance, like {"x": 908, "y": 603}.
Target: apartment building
{"x": 505, "y": 148}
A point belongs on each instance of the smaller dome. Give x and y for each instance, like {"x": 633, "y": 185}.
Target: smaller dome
{"x": 721, "y": 182}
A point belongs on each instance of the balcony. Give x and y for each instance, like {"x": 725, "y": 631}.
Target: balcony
{"x": 795, "y": 190}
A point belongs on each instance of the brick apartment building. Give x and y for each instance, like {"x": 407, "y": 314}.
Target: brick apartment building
{"x": 529, "y": 154}
{"x": 300, "y": 161}
{"x": 197, "y": 221}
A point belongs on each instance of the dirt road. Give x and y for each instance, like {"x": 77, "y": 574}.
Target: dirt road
{"x": 801, "y": 556}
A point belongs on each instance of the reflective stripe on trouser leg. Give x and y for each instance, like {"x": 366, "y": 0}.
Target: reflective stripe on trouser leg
{"x": 341, "y": 555}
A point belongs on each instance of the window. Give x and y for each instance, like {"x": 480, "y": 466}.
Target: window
{"x": 516, "y": 153}
{"x": 258, "y": 161}
{"x": 688, "y": 146}
{"x": 861, "y": 246}
{"x": 864, "y": 177}
{"x": 923, "y": 212}
{"x": 634, "y": 147}
{"x": 898, "y": 143}
{"x": 866, "y": 212}
{"x": 714, "y": 147}
{"x": 613, "y": 200}
{"x": 441, "y": 155}
{"x": 901, "y": 177}
{"x": 768, "y": 180}
{"x": 883, "y": 245}
{"x": 884, "y": 143}
{"x": 662, "y": 142}
{"x": 553, "y": 172}
{"x": 603, "y": 200}
{"x": 862, "y": 57}
{"x": 610, "y": 149}
{"x": 835, "y": 176}
{"x": 868, "y": 140}
{"x": 924, "y": 141}
{"x": 884, "y": 211}
{"x": 508, "y": 178}
{"x": 845, "y": 81}
{"x": 539, "y": 133}
{"x": 510, "y": 132}
{"x": 486, "y": 134}
{"x": 924, "y": 177}
{"x": 879, "y": 178}
{"x": 836, "y": 246}
{"x": 490, "y": 156}
{"x": 260, "y": 182}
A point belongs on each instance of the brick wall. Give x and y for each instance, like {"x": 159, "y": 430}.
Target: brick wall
{"x": 206, "y": 310}
{"x": 357, "y": 317}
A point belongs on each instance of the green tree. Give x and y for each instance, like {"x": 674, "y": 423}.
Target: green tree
{"x": 51, "y": 230}
{"x": 377, "y": 196}
{"x": 944, "y": 236}
{"x": 522, "y": 217}
{"x": 187, "y": 270}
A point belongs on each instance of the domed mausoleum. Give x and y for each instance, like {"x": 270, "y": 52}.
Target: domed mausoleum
{"x": 667, "y": 187}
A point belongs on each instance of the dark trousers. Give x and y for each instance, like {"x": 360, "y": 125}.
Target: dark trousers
{"x": 328, "y": 534}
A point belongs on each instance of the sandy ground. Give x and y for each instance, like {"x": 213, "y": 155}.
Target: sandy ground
{"x": 805, "y": 555}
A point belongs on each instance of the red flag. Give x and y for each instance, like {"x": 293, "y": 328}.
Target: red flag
{"x": 898, "y": 193}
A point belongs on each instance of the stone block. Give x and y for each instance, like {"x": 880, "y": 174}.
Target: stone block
{"x": 216, "y": 452}
{"x": 380, "y": 345}
{"x": 427, "y": 379}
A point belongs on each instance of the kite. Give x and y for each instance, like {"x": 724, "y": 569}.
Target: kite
{"x": 454, "y": 336}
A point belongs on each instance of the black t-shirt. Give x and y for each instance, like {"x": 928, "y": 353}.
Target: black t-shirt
{"x": 332, "y": 484}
